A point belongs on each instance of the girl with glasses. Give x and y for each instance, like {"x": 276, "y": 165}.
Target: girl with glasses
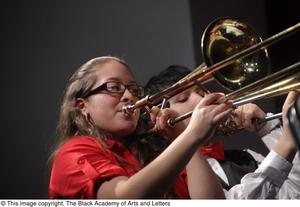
{"x": 96, "y": 154}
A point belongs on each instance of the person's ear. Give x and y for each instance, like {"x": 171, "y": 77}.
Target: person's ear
{"x": 81, "y": 104}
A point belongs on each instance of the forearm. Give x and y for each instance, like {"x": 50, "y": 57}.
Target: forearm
{"x": 200, "y": 174}
{"x": 157, "y": 177}
{"x": 271, "y": 133}
{"x": 286, "y": 149}
{"x": 271, "y": 139}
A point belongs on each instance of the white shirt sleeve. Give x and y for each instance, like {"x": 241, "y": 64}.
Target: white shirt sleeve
{"x": 291, "y": 186}
{"x": 290, "y": 189}
{"x": 274, "y": 178}
{"x": 269, "y": 126}
{"x": 271, "y": 132}
{"x": 265, "y": 182}
{"x": 217, "y": 168}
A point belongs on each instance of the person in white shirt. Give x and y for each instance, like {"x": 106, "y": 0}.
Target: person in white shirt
{"x": 277, "y": 175}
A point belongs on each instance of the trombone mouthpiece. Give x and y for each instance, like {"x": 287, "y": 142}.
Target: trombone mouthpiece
{"x": 128, "y": 109}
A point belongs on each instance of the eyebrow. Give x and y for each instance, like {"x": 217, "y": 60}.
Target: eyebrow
{"x": 188, "y": 92}
{"x": 179, "y": 96}
{"x": 119, "y": 80}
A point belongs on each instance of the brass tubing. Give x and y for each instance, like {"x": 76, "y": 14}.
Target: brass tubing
{"x": 290, "y": 75}
{"x": 205, "y": 73}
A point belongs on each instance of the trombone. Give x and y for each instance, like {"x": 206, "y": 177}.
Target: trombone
{"x": 279, "y": 83}
{"x": 220, "y": 33}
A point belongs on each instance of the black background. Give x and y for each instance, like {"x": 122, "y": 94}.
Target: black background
{"x": 43, "y": 42}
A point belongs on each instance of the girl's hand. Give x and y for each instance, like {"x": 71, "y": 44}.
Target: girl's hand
{"x": 207, "y": 115}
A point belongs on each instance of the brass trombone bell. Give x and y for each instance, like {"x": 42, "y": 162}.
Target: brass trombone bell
{"x": 203, "y": 73}
{"x": 225, "y": 37}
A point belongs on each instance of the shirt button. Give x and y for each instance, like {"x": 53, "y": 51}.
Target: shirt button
{"x": 80, "y": 161}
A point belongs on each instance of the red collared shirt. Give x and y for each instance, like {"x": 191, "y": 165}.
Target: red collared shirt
{"x": 83, "y": 164}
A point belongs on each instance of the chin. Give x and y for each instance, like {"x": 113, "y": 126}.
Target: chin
{"x": 126, "y": 129}
{"x": 124, "y": 132}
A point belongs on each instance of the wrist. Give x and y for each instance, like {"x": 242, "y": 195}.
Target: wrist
{"x": 269, "y": 126}
{"x": 286, "y": 148}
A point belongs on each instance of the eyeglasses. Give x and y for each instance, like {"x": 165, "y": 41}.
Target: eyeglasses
{"x": 201, "y": 90}
{"x": 118, "y": 87}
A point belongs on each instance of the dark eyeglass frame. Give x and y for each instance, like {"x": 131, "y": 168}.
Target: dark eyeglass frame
{"x": 201, "y": 87}
{"x": 134, "y": 89}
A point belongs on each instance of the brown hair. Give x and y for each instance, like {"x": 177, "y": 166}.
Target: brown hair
{"x": 71, "y": 121}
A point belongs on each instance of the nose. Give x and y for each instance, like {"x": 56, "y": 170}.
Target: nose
{"x": 127, "y": 97}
